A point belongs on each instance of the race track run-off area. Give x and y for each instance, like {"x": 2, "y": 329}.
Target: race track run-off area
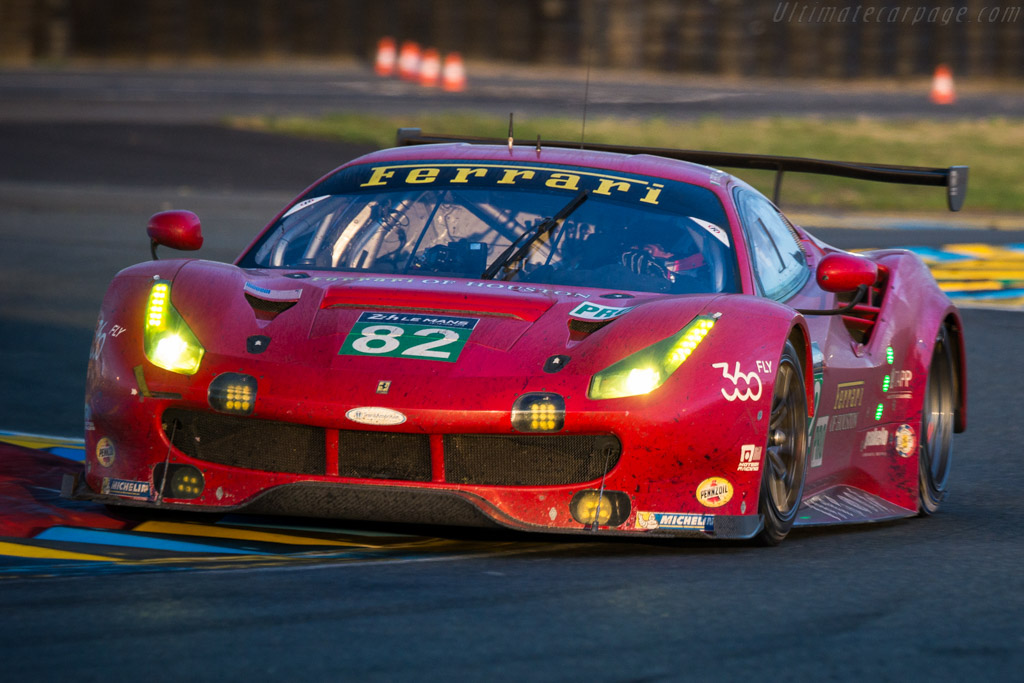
{"x": 978, "y": 274}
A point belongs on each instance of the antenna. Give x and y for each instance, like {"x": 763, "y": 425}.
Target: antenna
{"x": 510, "y": 139}
{"x": 586, "y": 96}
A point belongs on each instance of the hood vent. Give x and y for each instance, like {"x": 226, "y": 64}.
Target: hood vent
{"x": 581, "y": 329}
{"x": 267, "y": 310}
{"x": 266, "y": 303}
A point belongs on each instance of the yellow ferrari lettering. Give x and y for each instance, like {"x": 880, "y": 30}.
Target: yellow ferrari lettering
{"x": 378, "y": 176}
{"x": 563, "y": 181}
{"x": 419, "y": 176}
{"x": 463, "y": 175}
{"x": 606, "y": 185}
{"x": 454, "y": 174}
{"x": 652, "y": 194}
{"x": 510, "y": 175}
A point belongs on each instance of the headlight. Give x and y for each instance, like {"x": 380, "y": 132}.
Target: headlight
{"x": 168, "y": 341}
{"x": 646, "y": 370}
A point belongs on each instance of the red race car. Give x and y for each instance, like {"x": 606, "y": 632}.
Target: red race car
{"x": 615, "y": 340}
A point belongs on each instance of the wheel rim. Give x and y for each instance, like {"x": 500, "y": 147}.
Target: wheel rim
{"x": 784, "y": 449}
{"x": 937, "y": 421}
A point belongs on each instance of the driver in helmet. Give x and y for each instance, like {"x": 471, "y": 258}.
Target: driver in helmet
{"x": 666, "y": 252}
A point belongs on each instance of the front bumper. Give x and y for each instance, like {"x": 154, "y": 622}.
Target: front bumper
{"x": 399, "y": 504}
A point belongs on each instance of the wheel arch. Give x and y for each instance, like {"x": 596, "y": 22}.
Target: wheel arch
{"x": 954, "y": 328}
{"x": 800, "y": 338}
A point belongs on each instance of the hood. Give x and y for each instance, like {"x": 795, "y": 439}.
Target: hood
{"x": 336, "y": 320}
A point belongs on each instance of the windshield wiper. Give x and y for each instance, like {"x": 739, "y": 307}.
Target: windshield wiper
{"x": 515, "y": 251}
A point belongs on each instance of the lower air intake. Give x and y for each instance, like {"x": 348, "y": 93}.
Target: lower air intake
{"x": 535, "y": 460}
{"x": 247, "y": 442}
{"x": 384, "y": 455}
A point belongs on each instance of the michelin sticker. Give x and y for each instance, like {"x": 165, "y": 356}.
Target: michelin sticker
{"x": 589, "y": 311}
{"x": 674, "y": 520}
{"x": 126, "y": 488}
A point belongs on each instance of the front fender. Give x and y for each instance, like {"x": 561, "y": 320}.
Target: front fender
{"x": 710, "y": 419}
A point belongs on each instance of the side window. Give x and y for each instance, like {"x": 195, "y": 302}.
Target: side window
{"x": 780, "y": 266}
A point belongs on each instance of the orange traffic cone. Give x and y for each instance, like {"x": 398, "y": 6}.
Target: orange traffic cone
{"x": 453, "y": 76}
{"x": 385, "y": 64}
{"x": 409, "y": 61}
{"x": 430, "y": 68}
{"x": 942, "y": 86}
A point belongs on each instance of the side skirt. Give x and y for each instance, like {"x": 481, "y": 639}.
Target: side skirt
{"x": 847, "y": 505}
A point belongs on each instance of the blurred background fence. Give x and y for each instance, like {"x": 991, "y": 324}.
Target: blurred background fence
{"x": 817, "y": 38}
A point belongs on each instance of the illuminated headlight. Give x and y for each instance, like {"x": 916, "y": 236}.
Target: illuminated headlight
{"x": 168, "y": 341}
{"x": 607, "y": 508}
{"x": 233, "y": 392}
{"x": 538, "y": 412}
{"x": 646, "y": 370}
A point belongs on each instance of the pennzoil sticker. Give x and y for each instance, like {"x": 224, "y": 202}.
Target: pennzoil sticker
{"x": 674, "y": 520}
{"x": 126, "y": 488}
{"x": 403, "y": 335}
{"x": 589, "y": 311}
{"x": 714, "y": 492}
{"x": 105, "y": 452}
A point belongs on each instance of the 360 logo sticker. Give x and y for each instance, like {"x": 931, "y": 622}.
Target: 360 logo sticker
{"x": 739, "y": 379}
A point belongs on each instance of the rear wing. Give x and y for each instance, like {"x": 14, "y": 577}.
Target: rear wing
{"x": 954, "y": 178}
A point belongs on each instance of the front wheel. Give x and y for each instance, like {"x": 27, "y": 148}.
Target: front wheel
{"x": 785, "y": 467}
{"x": 935, "y": 454}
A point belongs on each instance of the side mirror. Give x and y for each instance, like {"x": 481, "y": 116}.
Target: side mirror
{"x": 174, "y": 229}
{"x": 842, "y": 272}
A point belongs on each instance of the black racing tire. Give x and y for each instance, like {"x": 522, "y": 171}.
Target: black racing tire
{"x": 935, "y": 451}
{"x": 784, "y": 467}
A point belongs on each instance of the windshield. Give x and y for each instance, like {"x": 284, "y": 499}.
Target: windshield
{"x": 459, "y": 219}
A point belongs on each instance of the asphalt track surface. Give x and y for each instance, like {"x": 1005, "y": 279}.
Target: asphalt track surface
{"x": 197, "y": 95}
{"x": 939, "y": 598}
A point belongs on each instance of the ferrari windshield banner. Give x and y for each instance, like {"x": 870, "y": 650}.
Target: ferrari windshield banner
{"x": 509, "y": 175}
{"x": 628, "y": 189}
{"x": 404, "y": 335}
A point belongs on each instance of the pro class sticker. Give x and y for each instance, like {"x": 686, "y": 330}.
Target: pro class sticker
{"x": 405, "y": 335}
{"x": 589, "y": 311}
